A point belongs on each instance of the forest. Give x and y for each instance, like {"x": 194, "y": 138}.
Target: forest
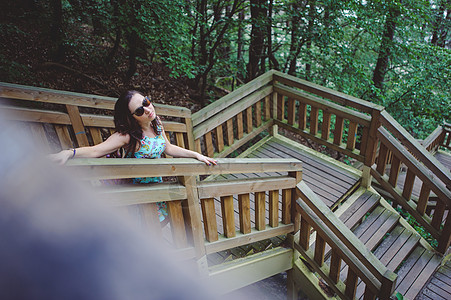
{"x": 396, "y": 53}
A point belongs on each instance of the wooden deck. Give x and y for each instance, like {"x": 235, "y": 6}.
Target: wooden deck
{"x": 439, "y": 285}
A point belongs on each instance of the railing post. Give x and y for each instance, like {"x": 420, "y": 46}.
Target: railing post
{"x": 190, "y": 133}
{"x": 445, "y": 238}
{"x": 371, "y": 147}
{"x": 388, "y": 285}
{"x": 192, "y": 215}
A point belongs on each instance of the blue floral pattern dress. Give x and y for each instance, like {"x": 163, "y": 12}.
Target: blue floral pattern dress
{"x": 152, "y": 148}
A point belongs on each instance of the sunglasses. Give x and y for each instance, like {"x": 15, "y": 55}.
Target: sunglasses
{"x": 140, "y": 110}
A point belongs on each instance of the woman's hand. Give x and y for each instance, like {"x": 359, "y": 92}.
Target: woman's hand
{"x": 207, "y": 160}
{"x": 61, "y": 157}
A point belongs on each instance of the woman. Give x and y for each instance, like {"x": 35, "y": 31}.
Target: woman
{"x": 140, "y": 132}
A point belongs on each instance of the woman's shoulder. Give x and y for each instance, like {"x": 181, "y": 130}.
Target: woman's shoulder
{"x": 121, "y": 137}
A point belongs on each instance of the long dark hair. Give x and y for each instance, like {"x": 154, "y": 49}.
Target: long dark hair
{"x": 125, "y": 123}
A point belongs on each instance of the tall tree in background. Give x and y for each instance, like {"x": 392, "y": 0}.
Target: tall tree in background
{"x": 257, "y": 37}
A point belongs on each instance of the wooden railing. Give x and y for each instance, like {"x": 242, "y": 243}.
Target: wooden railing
{"x": 227, "y": 124}
{"x": 327, "y": 117}
{"x": 345, "y": 247}
{"x": 441, "y": 137}
{"x": 422, "y": 167}
{"x": 54, "y": 118}
{"x": 188, "y": 199}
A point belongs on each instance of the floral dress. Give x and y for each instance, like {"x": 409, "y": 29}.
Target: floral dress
{"x": 152, "y": 148}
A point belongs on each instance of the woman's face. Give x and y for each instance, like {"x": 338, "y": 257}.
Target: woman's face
{"x": 137, "y": 104}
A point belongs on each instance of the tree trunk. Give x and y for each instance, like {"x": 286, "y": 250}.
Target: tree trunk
{"x": 385, "y": 47}
{"x": 56, "y": 30}
{"x": 256, "y": 47}
{"x": 440, "y": 31}
{"x": 240, "y": 42}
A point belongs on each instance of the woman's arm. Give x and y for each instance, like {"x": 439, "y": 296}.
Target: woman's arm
{"x": 177, "y": 151}
{"x": 114, "y": 142}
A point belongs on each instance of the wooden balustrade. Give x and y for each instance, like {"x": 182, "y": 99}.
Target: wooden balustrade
{"x": 440, "y": 137}
{"x": 237, "y": 221}
{"x": 322, "y": 120}
{"x": 346, "y": 248}
{"x": 402, "y": 192}
{"x": 227, "y": 124}
{"x": 65, "y": 126}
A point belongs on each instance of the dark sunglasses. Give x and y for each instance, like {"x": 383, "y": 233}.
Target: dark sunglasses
{"x": 140, "y": 110}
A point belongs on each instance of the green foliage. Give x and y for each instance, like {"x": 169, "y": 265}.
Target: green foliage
{"x": 420, "y": 229}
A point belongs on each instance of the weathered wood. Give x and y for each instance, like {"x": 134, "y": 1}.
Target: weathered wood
{"x": 423, "y": 199}
{"x": 249, "y": 126}
{"x": 258, "y": 114}
{"x": 39, "y": 136}
{"x": 274, "y": 208}
{"x": 229, "y": 130}
{"x": 151, "y": 220}
{"x": 320, "y": 246}
{"x": 260, "y": 211}
{"x": 64, "y": 137}
{"x": 96, "y": 135}
{"x": 198, "y": 146}
{"x": 177, "y": 224}
{"x": 180, "y": 140}
{"x": 228, "y": 216}
{"x": 304, "y": 240}
{"x": 209, "y": 218}
{"x": 382, "y": 159}
{"x": 438, "y": 215}
{"x": 189, "y": 133}
{"x": 352, "y": 134}
{"x": 291, "y": 109}
{"x": 286, "y": 205}
{"x": 325, "y": 126}
{"x": 351, "y": 284}
{"x": 338, "y": 131}
{"x": 408, "y": 184}
{"x": 394, "y": 171}
{"x": 245, "y": 213}
{"x": 280, "y": 107}
{"x": 220, "y": 137}
{"x": 314, "y": 120}
{"x": 209, "y": 144}
{"x": 77, "y": 125}
{"x": 267, "y": 108}
{"x": 302, "y": 116}
{"x": 335, "y": 266}
{"x": 239, "y": 126}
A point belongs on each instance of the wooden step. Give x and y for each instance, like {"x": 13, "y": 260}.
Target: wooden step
{"x": 416, "y": 271}
{"x": 392, "y": 251}
{"x": 355, "y": 213}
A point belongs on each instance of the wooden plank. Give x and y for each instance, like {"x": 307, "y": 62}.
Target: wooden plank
{"x": 423, "y": 275}
{"x": 423, "y": 199}
{"x": 96, "y": 135}
{"x": 229, "y": 129}
{"x": 394, "y": 171}
{"x": 338, "y": 131}
{"x": 198, "y": 146}
{"x": 209, "y": 219}
{"x": 314, "y": 120}
{"x": 439, "y": 212}
{"x": 177, "y": 223}
{"x": 151, "y": 221}
{"x": 62, "y": 132}
{"x": 286, "y": 205}
{"x": 189, "y": 134}
{"x": 39, "y": 136}
{"x": 220, "y": 137}
{"x": 280, "y": 107}
{"x": 228, "y": 218}
{"x": 408, "y": 184}
{"x": 355, "y": 213}
{"x": 335, "y": 266}
{"x": 249, "y": 126}
{"x": 351, "y": 284}
{"x": 291, "y": 109}
{"x": 239, "y": 126}
{"x": 77, "y": 125}
{"x": 302, "y": 116}
{"x": 180, "y": 140}
{"x": 325, "y": 126}
{"x": 258, "y": 114}
{"x": 382, "y": 159}
{"x": 244, "y": 212}
{"x": 260, "y": 220}
{"x": 304, "y": 240}
{"x": 320, "y": 246}
{"x": 209, "y": 144}
{"x": 352, "y": 136}
{"x": 274, "y": 208}
{"x": 267, "y": 108}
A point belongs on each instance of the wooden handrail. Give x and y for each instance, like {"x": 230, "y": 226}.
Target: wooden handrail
{"x": 327, "y": 93}
{"x": 230, "y": 99}
{"x": 415, "y": 148}
{"x": 438, "y": 133}
{"x": 29, "y": 93}
{"x": 110, "y": 168}
{"x": 363, "y": 262}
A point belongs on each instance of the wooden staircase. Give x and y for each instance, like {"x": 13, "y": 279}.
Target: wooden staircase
{"x": 398, "y": 246}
